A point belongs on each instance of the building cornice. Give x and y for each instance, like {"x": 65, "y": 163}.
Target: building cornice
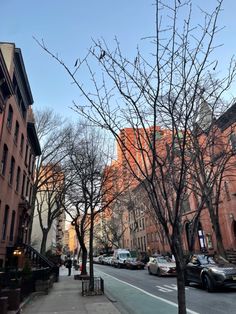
{"x": 32, "y": 135}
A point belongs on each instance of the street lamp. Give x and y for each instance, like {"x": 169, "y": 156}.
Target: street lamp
{"x": 17, "y": 252}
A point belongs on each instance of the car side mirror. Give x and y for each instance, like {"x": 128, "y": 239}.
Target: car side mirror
{"x": 117, "y": 257}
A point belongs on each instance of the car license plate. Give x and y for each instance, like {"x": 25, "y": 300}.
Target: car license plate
{"x": 234, "y": 277}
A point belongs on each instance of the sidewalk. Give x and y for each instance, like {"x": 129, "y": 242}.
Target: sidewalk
{"x": 65, "y": 297}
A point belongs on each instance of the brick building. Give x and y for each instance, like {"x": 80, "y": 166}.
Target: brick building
{"x": 206, "y": 239}
{"x": 144, "y": 232}
{"x": 18, "y": 148}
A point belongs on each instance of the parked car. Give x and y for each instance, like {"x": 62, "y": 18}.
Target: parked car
{"x": 106, "y": 260}
{"x": 95, "y": 259}
{"x": 160, "y": 265}
{"x": 100, "y": 258}
{"x": 210, "y": 272}
{"x": 119, "y": 257}
{"x": 133, "y": 263}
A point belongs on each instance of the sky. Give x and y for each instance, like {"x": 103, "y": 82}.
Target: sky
{"x": 68, "y": 27}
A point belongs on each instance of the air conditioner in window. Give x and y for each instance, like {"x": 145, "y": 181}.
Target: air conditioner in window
{"x": 27, "y": 198}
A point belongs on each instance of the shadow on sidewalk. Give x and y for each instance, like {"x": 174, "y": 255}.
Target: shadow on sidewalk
{"x": 66, "y": 297}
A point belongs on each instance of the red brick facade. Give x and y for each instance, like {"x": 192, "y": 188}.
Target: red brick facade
{"x": 144, "y": 233}
{"x": 18, "y": 148}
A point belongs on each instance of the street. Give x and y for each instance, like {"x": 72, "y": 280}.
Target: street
{"x": 137, "y": 292}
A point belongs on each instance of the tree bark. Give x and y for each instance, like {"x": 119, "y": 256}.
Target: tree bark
{"x": 44, "y": 242}
{"x": 177, "y": 250}
{"x": 84, "y": 259}
{"x": 216, "y": 226}
{"x": 219, "y": 239}
{"x": 180, "y": 269}
{"x": 91, "y": 270}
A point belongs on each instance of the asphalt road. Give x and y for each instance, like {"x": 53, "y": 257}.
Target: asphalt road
{"x": 137, "y": 292}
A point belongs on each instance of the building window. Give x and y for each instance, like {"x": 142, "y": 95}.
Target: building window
{"x": 30, "y": 160}
{"x": 10, "y": 117}
{"x": 186, "y": 204}
{"x": 23, "y": 185}
{"x": 144, "y": 242}
{"x": 11, "y": 172}
{"x": 209, "y": 241}
{"x": 26, "y": 154}
{"x": 31, "y": 192}
{"x": 32, "y": 164}
{"x": 16, "y": 134}
{"x": 4, "y": 159}
{"x": 22, "y": 143}
{"x": 5, "y": 220}
{"x": 12, "y": 225}
{"x": 27, "y": 188}
{"x": 232, "y": 139}
{"x": 18, "y": 179}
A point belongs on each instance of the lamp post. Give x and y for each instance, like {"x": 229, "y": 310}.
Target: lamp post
{"x": 17, "y": 252}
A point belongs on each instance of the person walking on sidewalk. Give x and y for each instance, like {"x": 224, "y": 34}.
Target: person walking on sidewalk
{"x": 69, "y": 265}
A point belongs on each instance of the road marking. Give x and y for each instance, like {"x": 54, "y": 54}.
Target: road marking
{"x": 168, "y": 288}
{"x": 147, "y": 293}
{"x": 162, "y": 289}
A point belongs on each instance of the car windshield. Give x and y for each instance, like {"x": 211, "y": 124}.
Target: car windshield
{"x": 124, "y": 255}
{"x": 162, "y": 260}
{"x": 204, "y": 259}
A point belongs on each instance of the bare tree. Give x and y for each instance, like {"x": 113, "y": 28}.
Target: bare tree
{"x": 49, "y": 203}
{"x": 52, "y": 134}
{"x": 109, "y": 231}
{"x": 90, "y": 187}
{"x": 157, "y": 109}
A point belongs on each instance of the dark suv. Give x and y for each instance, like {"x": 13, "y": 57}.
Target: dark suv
{"x": 210, "y": 272}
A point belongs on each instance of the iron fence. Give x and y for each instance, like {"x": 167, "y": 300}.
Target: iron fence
{"x": 93, "y": 287}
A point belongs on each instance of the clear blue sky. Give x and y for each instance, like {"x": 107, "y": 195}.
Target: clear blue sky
{"x": 67, "y": 27}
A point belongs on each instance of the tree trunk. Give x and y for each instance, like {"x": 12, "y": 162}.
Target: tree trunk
{"x": 180, "y": 269}
{"x": 33, "y": 202}
{"x": 91, "y": 270}
{"x": 84, "y": 259}
{"x": 177, "y": 250}
{"x": 44, "y": 242}
{"x": 83, "y": 249}
{"x": 219, "y": 240}
{"x": 217, "y": 231}
{"x": 79, "y": 254}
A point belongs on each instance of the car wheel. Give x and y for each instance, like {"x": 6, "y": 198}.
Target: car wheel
{"x": 207, "y": 284}
{"x": 158, "y": 272}
{"x": 149, "y": 271}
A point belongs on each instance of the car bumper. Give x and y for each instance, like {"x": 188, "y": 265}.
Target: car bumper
{"x": 168, "y": 273}
{"x": 225, "y": 281}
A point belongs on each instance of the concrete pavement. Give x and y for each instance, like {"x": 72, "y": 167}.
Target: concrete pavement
{"x": 65, "y": 297}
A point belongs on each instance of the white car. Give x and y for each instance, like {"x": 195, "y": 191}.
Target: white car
{"x": 160, "y": 265}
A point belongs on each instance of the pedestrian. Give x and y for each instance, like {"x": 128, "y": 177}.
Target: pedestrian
{"x": 69, "y": 265}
